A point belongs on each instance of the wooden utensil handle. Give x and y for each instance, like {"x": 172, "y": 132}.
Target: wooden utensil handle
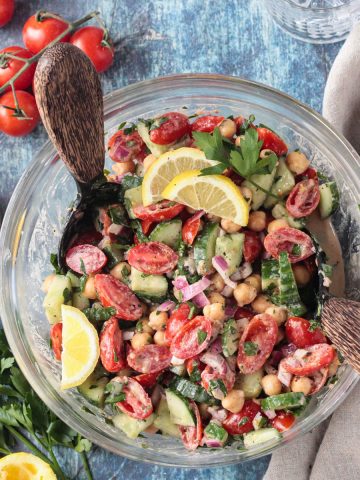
{"x": 69, "y": 97}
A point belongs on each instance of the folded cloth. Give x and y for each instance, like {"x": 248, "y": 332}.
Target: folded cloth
{"x": 332, "y": 450}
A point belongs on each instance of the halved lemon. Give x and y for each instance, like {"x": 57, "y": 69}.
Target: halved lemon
{"x": 80, "y": 344}
{"x": 168, "y": 166}
{"x": 25, "y": 466}
{"x": 216, "y": 194}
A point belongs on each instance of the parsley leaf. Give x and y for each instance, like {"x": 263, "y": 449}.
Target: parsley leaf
{"x": 55, "y": 263}
{"x": 296, "y": 250}
{"x": 243, "y": 421}
{"x": 201, "y": 336}
{"x": 314, "y": 324}
{"x": 114, "y": 393}
{"x": 212, "y": 145}
{"x": 251, "y": 348}
{"x": 217, "y": 385}
{"x": 99, "y": 314}
{"x": 67, "y": 295}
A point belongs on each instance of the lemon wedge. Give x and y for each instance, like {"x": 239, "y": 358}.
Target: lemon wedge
{"x": 168, "y": 166}
{"x": 216, "y": 194}
{"x": 25, "y": 466}
{"x": 80, "y": 344}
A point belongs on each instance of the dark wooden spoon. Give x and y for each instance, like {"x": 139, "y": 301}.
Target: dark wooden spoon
{"x": 70, "y": 101}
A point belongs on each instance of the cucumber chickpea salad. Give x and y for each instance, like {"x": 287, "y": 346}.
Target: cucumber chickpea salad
{"x": 201, "y": 281}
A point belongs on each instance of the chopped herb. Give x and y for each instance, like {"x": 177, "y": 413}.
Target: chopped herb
{"x": 192, "y": 310}
{"x": 296, "y": 250}
{"x": 130, "y": 181}
{"x": 106, "y": 172}
{"x": 67, "y": 295}
{"x": 251, "y": 348}
{"x": 201, "y": 336}
{"x": 195, "y": 374}
{"x": 55, "y": 263}
{"x": 122, "y": 125}
{"x": 114, "y": 393}
{"x": 139, "y": 327}
{"x": 217, "y": 384}
{"x": 243, "y": 421}
{"x": 125, "y": 272}
{"x": 157, "y": 123}
{"x": 118, "y": 215}
{"x": 314, "y": 325}
{"x": 82, "y": 266}
{"x": 332, "y": 380}
{"x": 131, "y": 129}
{"x": 116, "y": 358}
{"x": 136, "y": 225}
{"x": 99, "y": 314}
{"x": 82, "y": 282}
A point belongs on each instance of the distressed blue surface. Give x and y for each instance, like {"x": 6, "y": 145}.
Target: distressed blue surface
{"x": 160, "y": 37}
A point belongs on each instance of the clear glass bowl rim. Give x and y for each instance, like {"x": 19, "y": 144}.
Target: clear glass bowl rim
{"x": 10, "y": 230}
{"x": 318, "y": 9}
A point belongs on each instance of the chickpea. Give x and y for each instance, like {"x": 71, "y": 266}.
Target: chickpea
{"x": 143, "y": 326}
{"x": 159, "y": 338}
{"x": 47, "y": 282}
{"x": 238, "y": 140}
{"x": 234, "y": 401}
{"x": 229, "y": 226}
{"x": 218, "y": 282}
{"x": 246, "y": 193}
{"x": 255, "y": 281}
{"x": 301, "y": 384}
{"x": 276, "y": 224}
{"x": 213, "y": 218}
{"x": 148, "y": 161}
{"x": 297, "y": 162}
{"x": 121, "y": 271}
{"x": 261, "y": 304}
{"x": 244, "y": 294}
{"x": 214, "y": 312}
{"x": 271, "y": 384}
{"x": 334, "y": 365}
{"x": 257, "y": 221}
{"x": 140, "y": 340}
{"x": 89, "y": 290}
{"x": 215, "y": 297}
{"x": 228, "y": 128}
{"x": 278, "y": 313}
{"x": 124, "y": 167}
{"x": 265, "y": 153}
{"x": 157, "y": 320}
{"x": 301, "y": 274}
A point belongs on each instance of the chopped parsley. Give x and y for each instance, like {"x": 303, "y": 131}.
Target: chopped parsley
{"x": 55, "y": 263}
{"x": 314, "y": 324}
{"x": 99, "y": 314}
{"x": 67, "y": 295}
{"x": 201, "y": 336}
{"x": 251, "y": 348}
{"x": 243, "y": 421}
{"x": 114, "y": 393}
{"x": 296, "y": 250}
{"x": 217, "y": 385}
{"x": 116, "y": 358}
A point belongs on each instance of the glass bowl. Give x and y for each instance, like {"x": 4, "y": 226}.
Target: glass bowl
{"x": 32, "y": 228}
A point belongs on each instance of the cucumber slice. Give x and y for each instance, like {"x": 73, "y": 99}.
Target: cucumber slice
{"x": 250, "y": 383}
{"x": 283, "y": 184}
{"x": 74, "y": 279}
{"x": 151, "y": 287}
{"x": 163, "y": 420}
{"x": 60, "y": 286}
{"x": 270, "y": 276}
{"x": 265, "y": 181}
{"x": 114, "y": 255}
{"x": 230, "y": 338}
{"x": 215, "y": 432}
{"x": 79, "y": 301}
{"x": 279, "y": 211}
{"x": 288, "y": 292}
{"x": 283, "y": 400}
{"x": 231, "y": 247}
{"x": 204, "y": 248}
{"x": 155, "y": 149}
{"x": 191, "y": 390}
{"x": 179, "y": 370}
{"x": 132, "y": 198}
{"x": 260, "y": 436}
{"x": 131, "y": 426}
{"x": 329, "y": 199}
{"x": 180, "y": 412}
{"x": 93, "y": 389}
{"x": 168, "y": 233}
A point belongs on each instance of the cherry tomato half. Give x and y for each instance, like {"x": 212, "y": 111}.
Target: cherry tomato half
{"x": 257, "y": 343}
{"x": 7, "y": 8}
{"x": 298, "y": 332}
{"x": 38, "y": 32}
{"x": 113, "y": 293}
{"x": 283, "y": 421}
{"x": 240, "y": 423}
{"x": 208, "y": 123}
{"x": 153, "y": 258}
{"x": 95, "y": 43}
{"x": 191, "y": 229}
{"x": 252, "y": 246}
{"x": 137, "y": 403}
{"x": 317, "y": 357}
{"x": 9, "y": 67}
{"x": 56, "y": 339}
{"x": 303, "y": 198}
{"x": 12, "y": 125}
{"x": 309, "y": 173}
{"x": 243, "y": 312}
{"x": 217, "y": 369}
{"x": 112, "y": 348}
{"x": 176, "y": 321}
{"x": 286, "y": 239}
{"x": 85, "y": 259}
{"x": 123, "y": 148}
{"x": 158, "y": 212}
{"x": 191, "y": 436}
{"x": 149, "y": 358}
{"x": 193, "y": 338}
{"x": 272, "y": 141}
{"x": 169, "y": 127}
{"x": 146, "y": 226}
{"x": 147, "y": 380}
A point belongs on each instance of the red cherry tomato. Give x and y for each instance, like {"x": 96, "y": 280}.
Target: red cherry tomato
{"x": 9, "y": 67}
{"x": 191, "y": 229}
{"x": 158, "y": 212}
{"x": 317, "y": 357}
{"x": 56, "y": 339}
{"x": 303, "y": 198}
{"x": 217, "y": 369}
{"x": 309, "y": 173}
{"x": 123, "y": 148}
{"x": 193, "y": 338}
{"x": 112, "y": 351}
{"x": 259, "y": 338}
{"x": 272, "y": 141}
{"x": 94, "y": 42}
{"x": 208, "y": 123}
{"x": 85, "y": 259}
{"x": 285, "y": 239}
{"x": 240, "y": 423}
{"x": 91, "y": 237}
{"x": 283, "y": 421}
{"x": 152, "y": 258}
{"x": 146, "y": 226}
{"x": 194, "y": 367}
{"x": 9, "y": 122}
{"x": 191, "y": 436}
{"x": 38, "y": 32}
{"x": 113, "y": 293}
{"x": 149, "y": 358}
{"x": 298, "y": 332}
{"x": 7, "y": 8}
{"x": 169, "y": 127}
{"x": 252, "y": 246}
{"x": 176, "y": 321}
{"x": 137, "y": 403}
{"x": 147, "y": 380}
{"x": 243, "y": 312}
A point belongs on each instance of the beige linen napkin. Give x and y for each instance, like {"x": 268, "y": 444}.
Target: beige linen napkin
{"x": 332, "y": 450}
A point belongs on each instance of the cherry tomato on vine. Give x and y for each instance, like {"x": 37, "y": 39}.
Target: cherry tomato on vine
{"x": 95, "y": 42}
{"x": 10, "y": 121}
{"x": 7, "y": 8}
{"x": 40, "y": 30}
{"x": 9, "y": 67}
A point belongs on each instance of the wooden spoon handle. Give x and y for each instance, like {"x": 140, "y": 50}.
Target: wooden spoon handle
{"x": 69, "y": 97}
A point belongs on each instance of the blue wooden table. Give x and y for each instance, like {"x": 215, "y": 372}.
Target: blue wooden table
{"x": 160, "y": 37}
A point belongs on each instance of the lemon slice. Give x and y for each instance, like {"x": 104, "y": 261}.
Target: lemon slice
{"x": 80, "y": 344}
{"x": 216, "y": 194}
{"x": 25, "y": 466}
{"x": 168, "y": 166}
